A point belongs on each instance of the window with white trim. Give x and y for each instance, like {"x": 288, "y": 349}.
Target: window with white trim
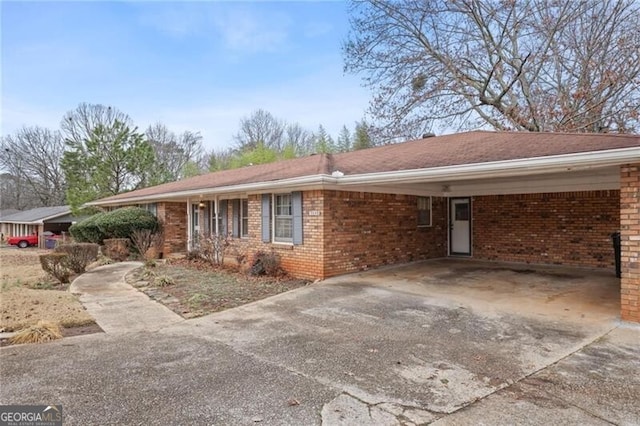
{"x": 244, "y": 218}
{"x": 282, "y": 218}
{"x": 424, "y": 211}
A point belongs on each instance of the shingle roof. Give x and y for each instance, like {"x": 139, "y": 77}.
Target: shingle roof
{"x": 7, "y": 212}
{"x": 36, "y": 215}
{"x": 449, "y": 150}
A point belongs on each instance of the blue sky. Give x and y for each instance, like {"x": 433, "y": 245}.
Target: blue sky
{"x": 199, "y": 66}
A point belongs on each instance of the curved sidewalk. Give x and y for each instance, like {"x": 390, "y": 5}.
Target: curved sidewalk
{"x": 116, "y": 306}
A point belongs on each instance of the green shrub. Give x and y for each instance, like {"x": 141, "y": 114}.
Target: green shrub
{"x": 120, "y": 223}
{"x": 56, "y": 265}
{"x": 80, "y": 255}
{"x": 88, "y": 231}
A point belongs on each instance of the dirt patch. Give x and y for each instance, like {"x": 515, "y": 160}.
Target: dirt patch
{"x": 193, "y": 289}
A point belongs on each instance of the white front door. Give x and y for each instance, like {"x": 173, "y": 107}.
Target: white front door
{"x": 460, "y": 226}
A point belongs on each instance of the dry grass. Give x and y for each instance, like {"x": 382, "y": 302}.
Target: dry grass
{"x": 21, "y": 267}
{"x": 42, "y": 332}
{"x": 22, "y": 306}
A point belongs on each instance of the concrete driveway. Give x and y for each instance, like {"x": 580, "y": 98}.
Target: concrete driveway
{"x": 427, "y": 343}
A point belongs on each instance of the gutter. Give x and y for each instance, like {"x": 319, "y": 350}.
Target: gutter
{"x": 494, "y": 169}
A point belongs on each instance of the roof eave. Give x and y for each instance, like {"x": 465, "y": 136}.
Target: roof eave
{"x": 505, "y": 168}
{"x": 493, "y": 169}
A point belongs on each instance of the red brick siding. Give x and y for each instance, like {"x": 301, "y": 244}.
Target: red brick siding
{"x": 366, "y": 230}
{"x": 302, "y": 261}
{"x": 630, "y": 241}
{"x": 174, "y": 217}
{"x": 569, "y": 228}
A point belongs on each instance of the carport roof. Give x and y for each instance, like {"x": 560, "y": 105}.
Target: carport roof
{"x": 35, "y": 216}
{"x": 476, "y": 148}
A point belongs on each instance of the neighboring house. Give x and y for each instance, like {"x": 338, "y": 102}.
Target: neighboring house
{"x": 546, "y": 198}
{"x": 56, "y": 219}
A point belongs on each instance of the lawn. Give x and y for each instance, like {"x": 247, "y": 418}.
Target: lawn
{"x": 27, "y": 295}
{"x": 193, "y": 288}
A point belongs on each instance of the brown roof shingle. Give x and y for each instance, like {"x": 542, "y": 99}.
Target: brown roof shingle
{"x": 448, "y": 150}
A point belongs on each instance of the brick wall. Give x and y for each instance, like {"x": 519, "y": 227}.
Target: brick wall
{"x": 630, "y": 242}
{"x": 174, "y": 217}
{"x": 570, "y": 228}
{"x": 366, "y": 230}
{"x": 302, "y": 261}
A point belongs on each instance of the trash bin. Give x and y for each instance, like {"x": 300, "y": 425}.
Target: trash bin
{"x": 50, "y": 243}
{"x": 615, "y": 237}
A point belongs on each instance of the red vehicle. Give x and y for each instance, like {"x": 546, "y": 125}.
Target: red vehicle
{"x": 23, "y": 241}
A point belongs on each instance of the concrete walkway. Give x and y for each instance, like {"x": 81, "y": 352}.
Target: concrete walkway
{"x": 116, "y": 306}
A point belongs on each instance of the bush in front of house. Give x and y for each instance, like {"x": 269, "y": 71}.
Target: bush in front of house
{"x": 120, "y": 223}
{"x": 87, "y": 230}
{"x": 265, "y": 263}
{"x": 117, "y": 248}
{"x": 79, "y": 255}
{"x": 56, "y": 265}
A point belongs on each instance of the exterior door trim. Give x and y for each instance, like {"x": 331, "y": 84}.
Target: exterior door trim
{"x": 450, "y": 209}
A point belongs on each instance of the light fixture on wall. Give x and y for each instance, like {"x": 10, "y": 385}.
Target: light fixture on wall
{"x": 446, "y": 189}
{"x": 201, "y": 204}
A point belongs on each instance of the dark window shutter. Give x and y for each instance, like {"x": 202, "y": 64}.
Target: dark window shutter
{"x": 266, "y": 218}
{"x": 206, "y": 223}
{"x": 235, "y": 231}
{"x": 223, "y": 216}
{"x": 296, "y": 201}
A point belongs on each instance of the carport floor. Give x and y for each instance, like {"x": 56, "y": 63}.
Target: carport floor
{"x": 554, "y": 292}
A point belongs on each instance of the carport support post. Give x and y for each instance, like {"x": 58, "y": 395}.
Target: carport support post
{"x": 630, "y": 242}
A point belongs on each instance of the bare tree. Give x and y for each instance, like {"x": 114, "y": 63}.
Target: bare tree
{"x": 298, "y": 140}
{"x": 34, "y": 177}
{"x": 260, "y": 128}
{"x": 532, "y": 65}
{"x": 174, "y": 152}
{"x": 78, "y": 125}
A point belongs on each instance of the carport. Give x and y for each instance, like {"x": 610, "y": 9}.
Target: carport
{"x": 552, "y": 211}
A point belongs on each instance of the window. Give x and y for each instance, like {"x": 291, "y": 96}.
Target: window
{"x": 424, "y": 211}
{"x": 283, "y": 218}
{"x": 150, "y": 207}
{"x": 212, "y": 208}
{"x": 244, "y": 218}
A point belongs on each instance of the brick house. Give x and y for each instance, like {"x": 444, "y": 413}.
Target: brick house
{"x": 544, "y": 198}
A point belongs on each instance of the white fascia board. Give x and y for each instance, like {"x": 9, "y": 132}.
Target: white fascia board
{"x": 507, "y": 168}
{"x": 494, "y": 169}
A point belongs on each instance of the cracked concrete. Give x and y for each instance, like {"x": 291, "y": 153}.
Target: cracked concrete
{"x": 386, "y": 347}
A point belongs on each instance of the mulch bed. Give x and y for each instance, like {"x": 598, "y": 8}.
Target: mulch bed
{"x": 193, "y": 288}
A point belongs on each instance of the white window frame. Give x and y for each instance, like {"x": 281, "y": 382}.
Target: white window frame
{"x": 429, "y": 201}
{"x": 275, "y": 217}
{"x": 244, "y": 230}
